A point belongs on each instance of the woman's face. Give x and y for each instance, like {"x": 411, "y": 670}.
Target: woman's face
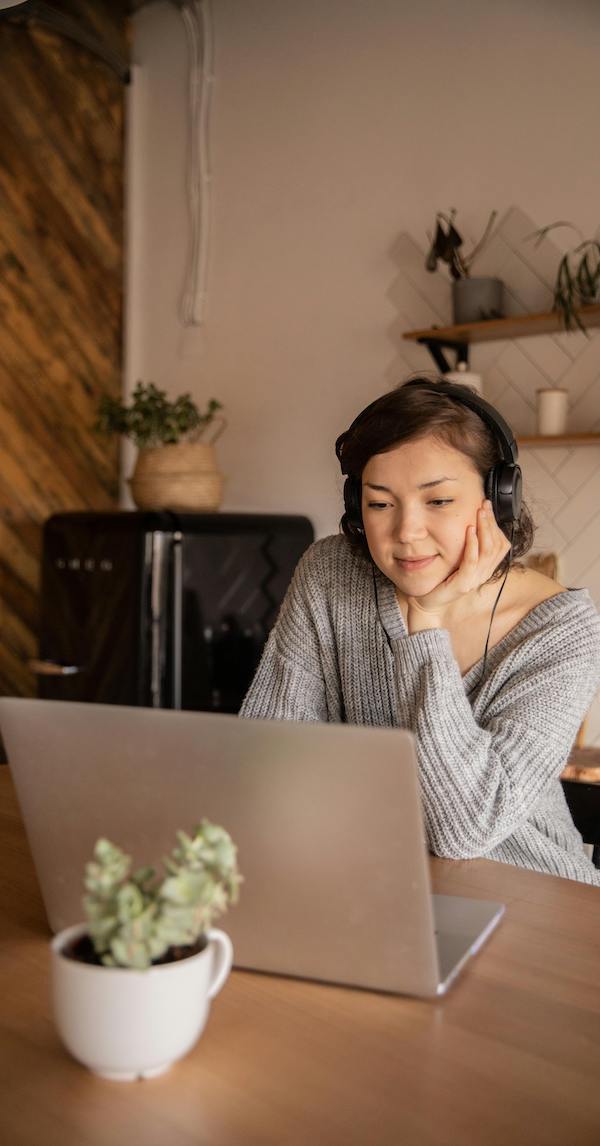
{"x": 417, "y": 501}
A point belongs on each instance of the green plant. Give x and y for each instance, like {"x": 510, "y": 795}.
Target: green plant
{"x": 446, "y": 244}
{"x": 134, "y": 919}
{"x": 152, "y": 420}
{"x": 577, "y": 278}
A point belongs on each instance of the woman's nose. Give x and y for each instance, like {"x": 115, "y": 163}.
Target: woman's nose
{"x": 409, "y": 525}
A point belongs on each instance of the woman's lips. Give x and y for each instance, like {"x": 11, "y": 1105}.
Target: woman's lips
{"x": 412, "y": 565}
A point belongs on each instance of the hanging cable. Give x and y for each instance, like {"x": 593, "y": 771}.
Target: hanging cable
{"x": 512, "y": 534}
{"x": 198, "y": 22}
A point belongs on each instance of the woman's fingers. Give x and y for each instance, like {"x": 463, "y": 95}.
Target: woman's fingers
{"x": 493, "y": 544}
{"x": 472, "y": 546}
{"x": 485, "y": 546}
{"x": 492, "y": 539}
{"x": 484, "y": 529}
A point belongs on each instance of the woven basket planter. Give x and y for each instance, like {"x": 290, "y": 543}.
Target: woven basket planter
{"x": 181, "y": 477}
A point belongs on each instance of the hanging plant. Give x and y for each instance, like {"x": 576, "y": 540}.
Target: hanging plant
{"x": 577, "y": 278}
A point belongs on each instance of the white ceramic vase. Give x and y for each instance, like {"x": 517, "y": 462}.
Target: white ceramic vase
{"x": 465, "y": 377}
{"x": 552, "y": 410}
{"x": 125, "y": 1024}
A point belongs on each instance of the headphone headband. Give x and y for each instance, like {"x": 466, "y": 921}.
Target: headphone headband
{"x": 494, "y": 420}
{"x": 496, "y": 423}
{"x": 503, "y": 482}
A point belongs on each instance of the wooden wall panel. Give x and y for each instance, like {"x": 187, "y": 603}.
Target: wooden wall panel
{"x": 61, "y": 270}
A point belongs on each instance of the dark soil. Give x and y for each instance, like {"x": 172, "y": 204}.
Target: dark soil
{"x": 82, "y": 951}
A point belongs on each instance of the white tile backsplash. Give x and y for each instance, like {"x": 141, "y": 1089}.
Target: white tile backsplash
{"x": 583, "y": 373}
{"x": 573, "y": 342}
{"x": 577, "y": 467}
{"x": 578, "y": 511}
{"x": 524, "y": 291}
{"x": 547, "y": 355}
{"x": 554, "y": 459}
{"x": 521, "y": 405}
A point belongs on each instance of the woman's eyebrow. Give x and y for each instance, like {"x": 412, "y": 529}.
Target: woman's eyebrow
{"x": 424, "y": 485}
{"x": 436, "y": 481}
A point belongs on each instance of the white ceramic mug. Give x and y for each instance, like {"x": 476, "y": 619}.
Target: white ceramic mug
{"x": 552, "y": 409}
{"x": 125, "y": 1024}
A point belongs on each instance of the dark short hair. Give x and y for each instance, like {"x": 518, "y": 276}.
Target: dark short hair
{"x": 413, "y": 411}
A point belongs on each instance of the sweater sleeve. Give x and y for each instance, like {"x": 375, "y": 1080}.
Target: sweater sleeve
{"x": 481, "y": 779}
{"x": 289, "y": 682}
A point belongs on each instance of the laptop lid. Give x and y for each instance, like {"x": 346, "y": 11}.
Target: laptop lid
{"x": 326, "y": 818}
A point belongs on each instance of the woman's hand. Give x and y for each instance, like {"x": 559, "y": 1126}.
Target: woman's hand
{"x": 485, "y": 546}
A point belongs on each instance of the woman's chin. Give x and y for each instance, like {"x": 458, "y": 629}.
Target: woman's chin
{"x": 416, "y": 584}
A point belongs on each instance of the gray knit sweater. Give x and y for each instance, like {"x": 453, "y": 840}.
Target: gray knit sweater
{"x": 490, "y": 751}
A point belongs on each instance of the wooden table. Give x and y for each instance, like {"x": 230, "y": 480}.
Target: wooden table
{"x": 511, "y": 1056}
{"x": 583, "y": 766}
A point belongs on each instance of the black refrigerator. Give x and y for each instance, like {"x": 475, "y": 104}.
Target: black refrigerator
{"x": 161, "y": 609}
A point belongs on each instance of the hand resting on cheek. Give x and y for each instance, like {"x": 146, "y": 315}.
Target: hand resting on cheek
{"x": 485, "y": 547}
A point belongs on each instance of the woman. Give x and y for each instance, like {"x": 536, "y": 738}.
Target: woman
{"x": 419, "y": 616}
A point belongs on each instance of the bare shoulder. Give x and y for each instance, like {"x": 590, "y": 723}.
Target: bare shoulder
{"x": 529, "y": 587}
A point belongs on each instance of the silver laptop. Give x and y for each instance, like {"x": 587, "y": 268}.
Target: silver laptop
{"x": 326, "y": 817}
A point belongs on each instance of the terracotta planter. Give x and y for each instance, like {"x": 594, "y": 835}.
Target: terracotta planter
{"x": 125, "y": 1024}
{"x": 181, "y": 477}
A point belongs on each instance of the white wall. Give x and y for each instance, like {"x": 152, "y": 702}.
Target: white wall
{"x": 337, "y": 130}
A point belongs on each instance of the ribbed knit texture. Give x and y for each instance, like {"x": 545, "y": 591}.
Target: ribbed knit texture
{"x": 490, "y": 751}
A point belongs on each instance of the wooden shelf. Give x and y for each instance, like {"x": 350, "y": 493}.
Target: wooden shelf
{"x": 558, "y": 440}
{"x": 494, "y": 329}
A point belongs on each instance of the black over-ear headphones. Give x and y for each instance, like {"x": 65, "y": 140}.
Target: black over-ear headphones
{"x": 503, "y": 483}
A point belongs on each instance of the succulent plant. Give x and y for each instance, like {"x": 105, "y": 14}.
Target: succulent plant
{"x": 134, "y": 919}
{"x": 152, "y": 420}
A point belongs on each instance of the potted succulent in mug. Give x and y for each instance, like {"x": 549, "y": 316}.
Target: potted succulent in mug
{"x": 473, "y": 299}
{"x": 132, "y": 986}
{"x": 175, "y": 468}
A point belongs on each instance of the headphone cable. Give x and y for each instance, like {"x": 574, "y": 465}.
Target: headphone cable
{"x": 485, "y": 653}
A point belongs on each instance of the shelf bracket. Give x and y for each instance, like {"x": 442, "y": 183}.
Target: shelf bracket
{"x": 436, "y": 347}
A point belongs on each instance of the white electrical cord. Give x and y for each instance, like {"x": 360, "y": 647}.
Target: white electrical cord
{"x": 198, "y": 22}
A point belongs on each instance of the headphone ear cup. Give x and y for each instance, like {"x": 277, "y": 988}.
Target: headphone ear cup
{"x": 352, "y": 503}
{"x": 503, "y": 487}
{"x": 490, "y": 489}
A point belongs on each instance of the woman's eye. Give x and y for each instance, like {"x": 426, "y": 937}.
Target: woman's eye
{"x": 441, "y": 501}
{"x": 377, "y": 504}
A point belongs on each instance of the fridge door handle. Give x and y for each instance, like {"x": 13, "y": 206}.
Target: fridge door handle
{"x": 176, "y": 618}
{"x": 52, "y": 668}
